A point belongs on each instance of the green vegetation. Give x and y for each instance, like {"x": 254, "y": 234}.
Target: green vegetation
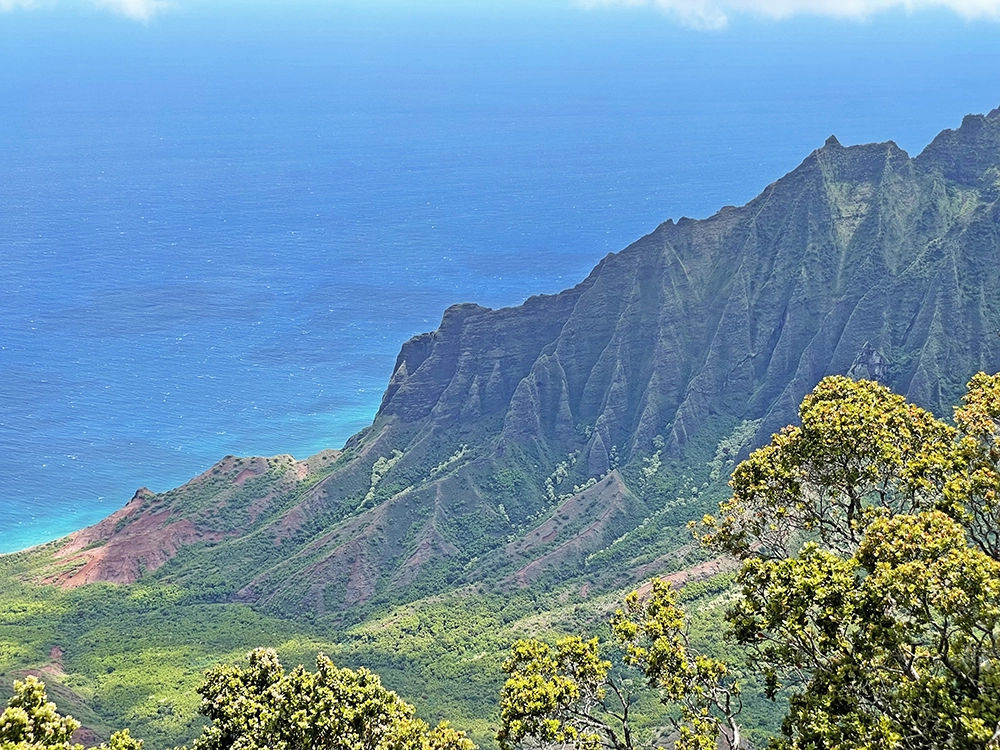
{"x": 869, "y": 595}
{"x": 853, "y": 532}
{"x": 261, "y": 707}
{"x": 529, "y": 466}
{"x": 31, "y": 722}
{"x": 131, "y": 655}
{"x": 136, "y": 655}
{"x": 568, "y": 695}
{"x": 871, "y": 580}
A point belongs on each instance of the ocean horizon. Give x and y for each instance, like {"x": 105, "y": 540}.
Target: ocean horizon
{"x": 216, "y": 232}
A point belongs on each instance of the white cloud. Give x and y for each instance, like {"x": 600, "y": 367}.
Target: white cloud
{"x": 714, "y": 14}
{"x": 139, "y": 10}
{"x": 12, "y": 4}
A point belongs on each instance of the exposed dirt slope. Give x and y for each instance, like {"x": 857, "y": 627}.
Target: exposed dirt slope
{"x": 228, "y": 500}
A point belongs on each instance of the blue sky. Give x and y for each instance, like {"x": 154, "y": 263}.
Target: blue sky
{"x": 702, "y": 14}
{"x": 868, "y": 70}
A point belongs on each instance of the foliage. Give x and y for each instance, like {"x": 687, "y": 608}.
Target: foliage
{"x": 382, "y": 466}
{"x": 977, "y": 486}
{"x": 870, "y": 579}
{"x": 132, "y": 655}
{"x": 895, "y": 645}
{"x": 861, "y": 451}
{"x": 729, "y": 448}
{"x": 568, "y": 695}
{"x": 31, "y": 722}
{"x": 31, "y": 719}
{"x": 136, "y": 654}
{"x": 655, "y": 639}
{"x": 859, "y": 460}
{"x": 262, "y": 706}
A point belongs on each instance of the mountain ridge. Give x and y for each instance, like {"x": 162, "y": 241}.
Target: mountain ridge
{"x": 519, "y": 446}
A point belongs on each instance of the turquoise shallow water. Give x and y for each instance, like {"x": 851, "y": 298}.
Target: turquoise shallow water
{"x": 215, "y": 233}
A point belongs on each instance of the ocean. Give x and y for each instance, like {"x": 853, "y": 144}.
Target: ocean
{"x": 217, "y": 228}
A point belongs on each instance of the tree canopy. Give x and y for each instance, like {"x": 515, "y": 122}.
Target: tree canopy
{"x": 871, "y": 576}
{"x": 32, "y": 722}
{"x": 566, "y": 694}
{"x": 261, "y": 706}
{"x": 869, "y": 596}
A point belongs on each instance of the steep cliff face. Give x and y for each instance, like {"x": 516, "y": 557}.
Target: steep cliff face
{"x": 482, "y": 460}
{"x": 742, "y": 313}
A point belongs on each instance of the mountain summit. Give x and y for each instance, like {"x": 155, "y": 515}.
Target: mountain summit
{"x": 573, "y": 435}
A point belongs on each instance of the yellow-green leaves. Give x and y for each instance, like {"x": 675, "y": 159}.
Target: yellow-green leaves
{"x": 975, "y": 485}
{"x": 31, "y": 719}
{"x": 553, "y": 694}
{"x": 123, "y": 740}
{"x": 861, "y": 452}
{"x": 979, "y": 417}
{"x": 652, "y": 633}
{"x": 568, "y": 695}
{"x": 32, "y": 722}
{"x": 870, "y": 538}
{"x": 262, "y": 706}
{"x": 896, "y": 640}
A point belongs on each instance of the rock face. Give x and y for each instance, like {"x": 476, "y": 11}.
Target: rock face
{"x": 861, "y": 256}
{"x": 862, "y": 261}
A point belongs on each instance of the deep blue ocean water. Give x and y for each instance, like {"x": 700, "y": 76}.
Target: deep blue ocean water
{"x": 217, "y": 229}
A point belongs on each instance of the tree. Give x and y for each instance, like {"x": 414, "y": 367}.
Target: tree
{"x": 31, "y": 722}
{"x": 568, "y": 695}
{"x": 262, "y": 706}
{"x": 871, "y": 580}
{"x": 30, "y": 719}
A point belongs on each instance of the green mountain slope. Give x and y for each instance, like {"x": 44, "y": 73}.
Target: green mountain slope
{"x": 571, "y": 437}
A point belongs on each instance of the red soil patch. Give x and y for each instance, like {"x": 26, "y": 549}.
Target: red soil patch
{"x": 257, "y": 467}
{"x": 348, "y": 555}
{"x": 86, "y": 737}
{"x": 430, "y": 545}
{"x": 123, "y": 546}
{"x": 135, "y": 540}
{"x": 364, "y": 574}
{"x": 53, "y": 670}
{"x": 661, "y": 563}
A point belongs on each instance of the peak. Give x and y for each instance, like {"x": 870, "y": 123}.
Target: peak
{"x": 465, "y": 308}
{"x": 455, "y": 314}
{"x": 143, "y": 493}
{"x": 832, "y": 141}
{"x": 968, "y": 153}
